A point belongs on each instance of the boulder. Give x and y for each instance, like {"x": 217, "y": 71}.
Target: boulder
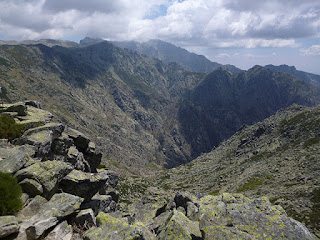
{"x": 179, "y": 227}
{"x": 31, "y": 187}
{"x": 19, "y": 107}
{"x": 76, "y": 158}
{"x": 99, "y": 203}
{"x": 33, "y": 104}
{"x": 85, "y": 219}
{"x": 83, "y": 184}
{"x": 117, "y": 229}
{"x": 48, "y": 174}
{"x": 13, "y": 159}
{"x": 231, "y": 216}
{"x": 80, "y": 140}
{"x": 62, "y": 144}
{"x": 8, "y": 225}
{"x": 51, "y": 213}
{"x": 63, "y": 231}
{"x": 35, "y": 117}
{"x": 41, "y": 137}
{"x": 32, "y": 208}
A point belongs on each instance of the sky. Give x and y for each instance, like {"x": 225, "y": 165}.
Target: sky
{"x": 239, "y": 32}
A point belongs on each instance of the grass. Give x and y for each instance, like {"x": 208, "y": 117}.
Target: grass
{"x": 254, "y": 182}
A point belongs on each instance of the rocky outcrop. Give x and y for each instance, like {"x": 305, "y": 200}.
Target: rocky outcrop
{"x": 57, "y": 170}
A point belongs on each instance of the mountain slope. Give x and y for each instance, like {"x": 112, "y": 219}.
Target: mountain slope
{"x": 168, "y": 52}
{"x": 277, "y": 158}
{"x": 308, "y": 77}
{"x": 223, "y": 102}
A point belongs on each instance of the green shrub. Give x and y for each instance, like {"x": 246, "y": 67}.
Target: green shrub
{"x": 10, "y": 193}
{"x": 9, "y": 129}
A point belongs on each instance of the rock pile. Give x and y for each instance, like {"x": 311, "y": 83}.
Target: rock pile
{"x": 57, "y": 168}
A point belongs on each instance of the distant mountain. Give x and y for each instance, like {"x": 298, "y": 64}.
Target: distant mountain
{"x": 46, "y": 42}
{"x": 309, "y": 77}
{"x": 217, "y": 107}
{"x": 168, "y": 52}
{"x": 277, "y": 158}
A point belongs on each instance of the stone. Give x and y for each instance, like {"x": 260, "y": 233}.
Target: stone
{"x": 19, "y": 107}
{"x": 77, "y": 159}
{"x": 63, "y": 231}
{"x": 85, "y": 219}
{"x": 231, "y": 216}
{"x": 32, "y": 103}
{"x": 13, "y": 159}
{"x": 35, "y": 117}
{"x": 80, "y": 140}
{"x": 31, "y": 187}
{"x": 32, "y": 208}
{"x": 179, "y": 227}
{"x": 57, "y": 209}
{"x": 99, "y": 203}
{"x": 48, "y": 174}
{"x": 41, "y": 137}
{"x": 83, "y": 184}
{"x": 117, "y": 229}
{"x": 8, "y": 225}
{"x": 62, "y": 144}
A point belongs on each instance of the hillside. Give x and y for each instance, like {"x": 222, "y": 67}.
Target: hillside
{"x": 276, "y": 158}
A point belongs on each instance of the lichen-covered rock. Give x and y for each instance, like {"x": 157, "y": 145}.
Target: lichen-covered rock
{"x": 32, "y": 208}
{"x": 31, "y": 187}
{"x": 41, "y": 137}
{"x": 13, "y": 159}
{"x": 35, "y": 117}
{"x": 233, "y": 216}
{"x": 57, "y": 209}
{"x": 80, "y": 140}
{"x": 83, "y": 184}
{"x": 77, "y": 159}
{"x": 99, "y": 203}
{"x": 48, "y": 174}
{"x": 63, "y": 231}
{"x": 8, "y": 225}
{"x": 19, "y": 107}
{"x": 85, "y": 218}
{"x": 117, "y": 229}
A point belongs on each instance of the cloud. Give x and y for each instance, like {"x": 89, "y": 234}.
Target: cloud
{"x": 209, "y": 23}
{"x": 314, "y": 50}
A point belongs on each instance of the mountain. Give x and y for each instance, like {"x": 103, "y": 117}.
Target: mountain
{"x": 46, "y": 42}
{"x": 308, "y": 77}
{"x": 223, "y": 102}
{"x": 144, "y": 114}
{"x": 168, "y": 52}
{"x": 277, "y": 158}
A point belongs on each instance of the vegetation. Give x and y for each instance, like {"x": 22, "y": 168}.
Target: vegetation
{"x": 9, "y": 129}
{"x": 10, "y": 193}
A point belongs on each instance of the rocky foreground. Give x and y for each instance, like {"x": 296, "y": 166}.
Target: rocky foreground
{"x": 69, "y": 195}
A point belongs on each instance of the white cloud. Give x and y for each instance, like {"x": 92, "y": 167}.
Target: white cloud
{"x": 314, "y": 50}
{"x": 209, "y": 23}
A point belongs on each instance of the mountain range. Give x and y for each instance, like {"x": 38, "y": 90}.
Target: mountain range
{"x": 140, "y": 110}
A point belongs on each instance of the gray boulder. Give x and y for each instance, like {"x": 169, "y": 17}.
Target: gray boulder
{"x": 51, "y": 213}
{"x": 48, "y": 174}
{"x": 63, "y": 231}
{"x": 179, "y": 227}
{"x": 83, "y": 184}
{"x": 13, "y": 159}
{"x": 31, "y": 187}
{"x": 8, "y": 225}
{"x": 117, "y": 229}
{"x": 81, "y": 141}
{"x": 35, "y": 117}
{"x": 19, "y": 107}
{"x": 32, "y": 208}
{"x": 85, "y": 219}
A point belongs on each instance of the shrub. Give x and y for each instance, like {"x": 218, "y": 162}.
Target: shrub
{"x": 9, "y": 129}
{"x": 10, "y": 193}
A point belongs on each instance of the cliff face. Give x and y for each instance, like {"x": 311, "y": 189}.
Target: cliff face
{"x": 69, "y": 195}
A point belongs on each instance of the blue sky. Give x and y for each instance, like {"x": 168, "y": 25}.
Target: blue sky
{"x": 239, "y": 32}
